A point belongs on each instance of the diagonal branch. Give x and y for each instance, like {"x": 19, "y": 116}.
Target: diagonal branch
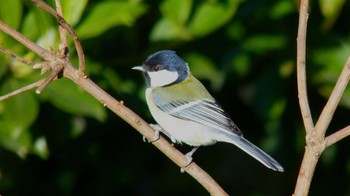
{"x": 21, "y": 90}
{"x": 337, "y": 136}
{"x": 26, "y": 42}
{"x": 333, "y": 101}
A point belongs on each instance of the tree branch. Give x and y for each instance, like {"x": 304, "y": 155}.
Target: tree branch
{"x": 301, "y": 70}
{"x": 337, "y": 136}
{"x": 333, "y": 101}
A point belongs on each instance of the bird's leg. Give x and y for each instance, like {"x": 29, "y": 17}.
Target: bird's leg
{"x": 189, "y": 155}
{"x": 155, "y": 137}
{"x": 189, "y": 158}
{"x": 158, "y": 129}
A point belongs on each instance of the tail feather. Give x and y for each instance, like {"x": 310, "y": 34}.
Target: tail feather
{"x": 255, "y": 152}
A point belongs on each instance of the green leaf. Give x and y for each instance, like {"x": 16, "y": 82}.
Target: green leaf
{"x": 331, "y": 9}
{"x": 66, "y": 96}
{"x": 212, "y": 15}
{"x": 282, "y": 8}
{"x": 11, "y": 12}
{"x": 262, "y": 43}
{"x": 330, "y": 61}
{"x": 36, "y": 23}
{"x": 204, "y": 68}
{"x": 177, "y": 11}
{"x": 164, "y": 29}
{"x": 72, "y": 10}
{"x": 15, "y": 139}
{"x": 108, "y": 14}
{"x": 19, "y": 111}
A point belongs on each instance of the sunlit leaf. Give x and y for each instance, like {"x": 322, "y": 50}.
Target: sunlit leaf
{"x": 108, "y": 14}
{"x": 164, "y": 30}
{"x": 331, "y": 9}
{"x": 36, "y": 23}
{"x": 209, "y": 16}
{"x": 11, "y": 12}
{"x": 66, "y": 96}
{"x": 177, "y": 11}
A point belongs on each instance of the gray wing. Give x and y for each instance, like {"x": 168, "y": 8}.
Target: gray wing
{"x": 208, "y": 113}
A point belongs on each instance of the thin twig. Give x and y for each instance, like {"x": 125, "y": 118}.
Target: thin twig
{"x": 47, "y": 81}
{"x": 21, "y": 90}
{"x": 26, "y": 42}
{"x": 63, "y": 22}
{"x": 62, "y": 30}
{"x": 301, "y": 70}
{"x": 337, "y": 136}
{"x": 18, "y": 58}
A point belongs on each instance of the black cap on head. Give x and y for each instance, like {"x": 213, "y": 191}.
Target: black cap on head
{"x": 165, "y": 59}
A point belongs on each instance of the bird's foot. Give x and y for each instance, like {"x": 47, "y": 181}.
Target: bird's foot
{"x": 189, "y": 158}
{"x": 155, "y": 137}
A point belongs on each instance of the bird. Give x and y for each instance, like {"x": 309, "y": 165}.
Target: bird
{"x": 186, "y": 112}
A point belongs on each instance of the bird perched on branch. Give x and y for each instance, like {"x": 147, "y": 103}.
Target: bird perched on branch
{"x": 186, "y": 112}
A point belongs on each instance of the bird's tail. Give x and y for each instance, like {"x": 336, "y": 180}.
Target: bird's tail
{"x": 255, "y": 152}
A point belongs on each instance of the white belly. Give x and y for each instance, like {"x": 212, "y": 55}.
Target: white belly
{"x": 189, "y": 132}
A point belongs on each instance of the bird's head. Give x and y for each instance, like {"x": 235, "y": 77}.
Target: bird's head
{"x": 164, "y": 68}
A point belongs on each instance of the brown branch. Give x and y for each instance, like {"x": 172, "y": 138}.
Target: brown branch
{"x": 64, "y": 24}
{"x": 301, "y": 70}
{"x": 333, "y": 101}
{"x": 337, "y": 136}
{"x": 310, "y": 158}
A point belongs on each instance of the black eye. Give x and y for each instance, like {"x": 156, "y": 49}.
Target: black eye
{"x": 156, "y": 68}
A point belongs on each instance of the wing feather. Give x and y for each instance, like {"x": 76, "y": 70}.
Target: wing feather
{"x": 207, "y": 113}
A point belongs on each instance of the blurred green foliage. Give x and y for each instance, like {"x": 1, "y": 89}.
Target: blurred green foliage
{"x": 64, "y": 142}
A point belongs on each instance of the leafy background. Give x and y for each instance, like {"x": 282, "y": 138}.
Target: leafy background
{"x": 64, "y": 142}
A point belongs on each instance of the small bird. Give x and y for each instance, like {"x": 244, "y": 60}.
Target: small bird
{"x": 186, "y": 112}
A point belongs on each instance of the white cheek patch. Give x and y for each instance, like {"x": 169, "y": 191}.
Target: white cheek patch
{"x": 162, "y": 77}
